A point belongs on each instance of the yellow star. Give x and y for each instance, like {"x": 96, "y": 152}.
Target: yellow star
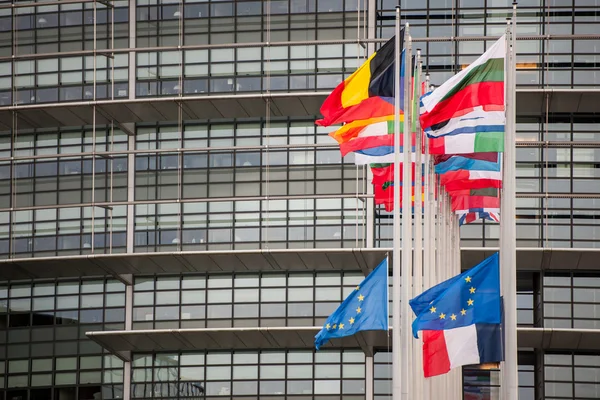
{"x": 327, "y": 326}
{"x": 358, "y": 310}
{"x": 453, "y": 317}
{"x": 358, "y": 287}
{"x": 341, "y": 326}
{"x": 361, "y": 297}
{"x": 442, "y": 316}
{"x": 432, "y": 309}
{"x": 468, "y": 279}
{"x": 470, "y": 302}
{"x": 351, "y": 320}
{"x": 472, "y": 290}
{"x": 463, "y": 312}
{"x": 334, "y": 326}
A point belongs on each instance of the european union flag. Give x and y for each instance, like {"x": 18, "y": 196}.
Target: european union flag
{"x": 472, "y": 297}
{"x": 365, "y": 309}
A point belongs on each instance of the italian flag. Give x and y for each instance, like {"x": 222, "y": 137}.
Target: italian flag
{"x": 481, "y": 84}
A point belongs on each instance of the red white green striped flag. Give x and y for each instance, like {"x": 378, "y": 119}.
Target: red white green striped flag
{"x": 479, "y": 87}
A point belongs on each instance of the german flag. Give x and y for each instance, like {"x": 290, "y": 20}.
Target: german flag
{"x": 367, "y": 93}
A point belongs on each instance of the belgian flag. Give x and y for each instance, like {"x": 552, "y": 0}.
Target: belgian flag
{"x": 367, "y": 93}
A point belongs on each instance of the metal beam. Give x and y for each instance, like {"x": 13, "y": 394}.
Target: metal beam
{"x": 366, "y": 42}
{"x": 202, "y": 260}
{"x": 530, "y": 103}
{"x": 303, "y": 338}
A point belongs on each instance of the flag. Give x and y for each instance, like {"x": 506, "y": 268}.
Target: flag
{"x": 481, "y": 84}
{"x": 384, "y": 172}
{"x": 365, "y": 309}
{"x": 467, "y": 218}
{"x": 479, "y": 120}
{"x": 488, "y": 192}
{"x": 387, "y": 157}
{"x": 457, "y": 163}
{"x": 464, "y": 179}
{"x": 477, "y": 142}
{"x": 483, "y": 211}
{"x": 467, "y": 345}
{"x": 461, "y": 319}
{"x": 472, "y": 297}
{"x": 474, "y": 202}
{"x": 379, "y": 134}
{"x": 352, "y": 129}
{"x": 367, "y": 93}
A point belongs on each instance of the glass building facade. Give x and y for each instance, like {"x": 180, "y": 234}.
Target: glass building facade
{"x": 150, "y": 129}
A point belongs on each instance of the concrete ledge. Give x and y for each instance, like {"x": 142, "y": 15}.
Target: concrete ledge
{"x": 360, "y": 259}
{"x": 123, "y": 343}
{"x": 530, "y": 102}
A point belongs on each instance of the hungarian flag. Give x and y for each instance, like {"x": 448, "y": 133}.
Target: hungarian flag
{"x": 481, "y": 84}
{"x": 367, "y": 93}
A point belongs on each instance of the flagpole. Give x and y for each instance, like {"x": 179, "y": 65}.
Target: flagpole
{"x": 407, "y": 244}
{"x": 508, "y": 245}
{"x": 428, "y": 244}
{"x": 397, "y": 382}
{"x": 418, "y": 246}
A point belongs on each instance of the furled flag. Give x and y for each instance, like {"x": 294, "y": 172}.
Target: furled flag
{"x": 461, "y": 319}
{"x": 367, "y": 93}
{"x": 365, "y": 309}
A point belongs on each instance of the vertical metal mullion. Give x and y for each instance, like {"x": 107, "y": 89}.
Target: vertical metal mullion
{"x": 110, "y": 209}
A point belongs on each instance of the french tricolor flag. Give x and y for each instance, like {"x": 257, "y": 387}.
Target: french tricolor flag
{"x": 466, "y": 345}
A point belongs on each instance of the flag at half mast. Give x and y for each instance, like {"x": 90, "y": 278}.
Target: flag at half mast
{"x": 365, "y": 308}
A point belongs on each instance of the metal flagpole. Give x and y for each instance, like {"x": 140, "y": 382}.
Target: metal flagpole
{"x": 397, "y": 382}
{"x": 508, "y": 245}
{"x": 428, "y": 245}
{"x": 406, "y": 336}
{"x": 418, "y": 242}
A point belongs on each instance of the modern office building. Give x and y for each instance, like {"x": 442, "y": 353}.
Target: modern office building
{"x": 174, "y": 225}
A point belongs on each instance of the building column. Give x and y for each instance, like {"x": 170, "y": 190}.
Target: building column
{"x": 130, "y": 195}
{"x": 369, "y": 375}
{"x": 132, "y": 45}
{"x": 128, "y": 280}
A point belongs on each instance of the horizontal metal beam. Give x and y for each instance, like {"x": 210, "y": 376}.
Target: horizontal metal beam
{"x": 26, "y": 4}
{"x": 287, "y": 43}
{"x": 530, "y": 103}
{"x": 270, "y": 260}
{"x": 196, "y": 200}
{"x": 271, "y": 338}
{"x": 112, "y": 154}
{"x": 359, "y": 196}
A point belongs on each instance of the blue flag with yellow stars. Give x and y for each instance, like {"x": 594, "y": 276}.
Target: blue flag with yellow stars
{"x": 472, "y": 297}
{"x": 365, "y": 309}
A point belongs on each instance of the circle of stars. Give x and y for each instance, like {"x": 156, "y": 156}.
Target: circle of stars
{"x": 463, "y": 312}
{"x": 352, "y": 320}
